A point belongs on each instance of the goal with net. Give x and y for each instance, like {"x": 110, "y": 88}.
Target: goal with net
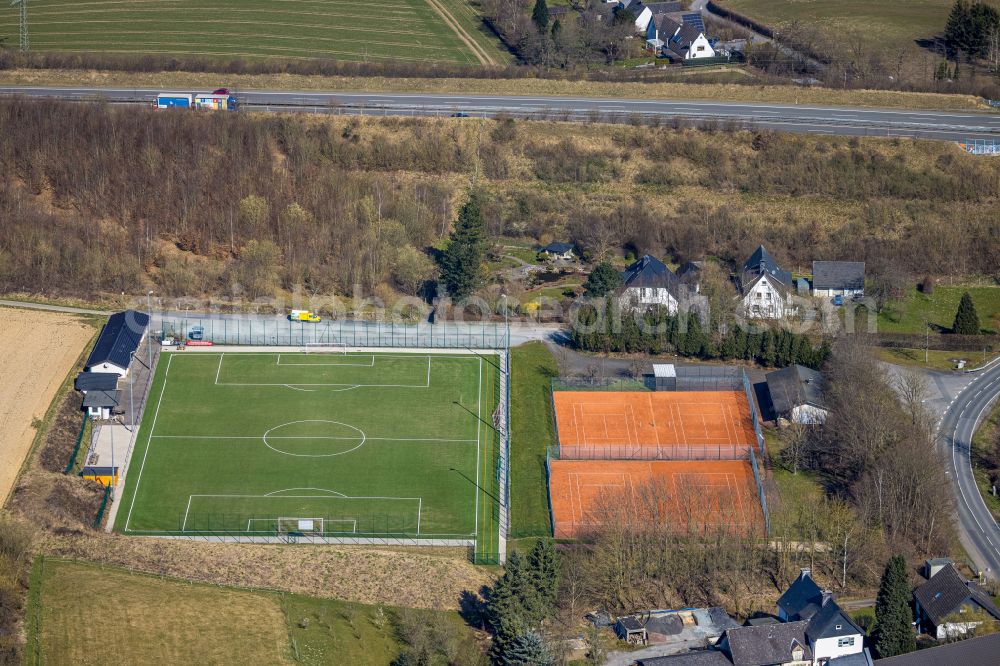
{"x": 303, "y": 526}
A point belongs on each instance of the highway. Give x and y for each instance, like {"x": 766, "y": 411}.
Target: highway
{"x": 978, "y": 530}
{"x": 843, "y": 121}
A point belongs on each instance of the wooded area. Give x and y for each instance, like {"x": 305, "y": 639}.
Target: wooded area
{"x": 103, "y": 199}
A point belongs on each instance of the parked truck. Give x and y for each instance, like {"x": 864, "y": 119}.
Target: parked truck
{"x": 210, "y": 101}
{"x": 171, "y": 100}
{"x": 303, "y": 315}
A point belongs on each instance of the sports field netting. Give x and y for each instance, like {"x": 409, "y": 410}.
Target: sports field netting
{"x": 354, "y": 445}
{"x": 693, "y": 497}
{"x": 689, "y": 425}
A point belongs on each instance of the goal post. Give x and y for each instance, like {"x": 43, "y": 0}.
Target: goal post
{"x": 304, "y": 526}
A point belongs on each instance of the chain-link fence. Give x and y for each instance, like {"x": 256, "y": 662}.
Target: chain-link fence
{"x": 648, "y": 452}
{"x": 261, "y": 331}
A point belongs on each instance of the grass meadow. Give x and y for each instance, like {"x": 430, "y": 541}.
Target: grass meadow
{"x": 886, "y": 26}
{"x": 372, "y": 444}
{"x": 408, "y": 30}
{"x": 82, "y": 613}
{"x": 939, "y": 308}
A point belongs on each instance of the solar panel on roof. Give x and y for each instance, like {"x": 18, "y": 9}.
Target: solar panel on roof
{"x": 694, "y": 19}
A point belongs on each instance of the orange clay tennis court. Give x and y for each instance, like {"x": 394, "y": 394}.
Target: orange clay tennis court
{"x": 683, "y": 425}
{"x": 693, "y": 496}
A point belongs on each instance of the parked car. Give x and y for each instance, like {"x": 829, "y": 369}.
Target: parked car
{"x": 460, "y": 114}
{"x": 221, "y": 91}
{"x": 838, "y": 300}
{"x": 196, "y": 333}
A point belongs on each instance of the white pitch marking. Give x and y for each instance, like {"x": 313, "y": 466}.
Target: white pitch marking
{"x": 149, "y": 441}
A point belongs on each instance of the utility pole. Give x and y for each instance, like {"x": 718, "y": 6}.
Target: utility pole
{"x": 22, "y": 23}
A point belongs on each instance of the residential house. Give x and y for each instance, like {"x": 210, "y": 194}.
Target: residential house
{"x": 797, "y": 394}
{"x": 564, "y": 251}
{"x": 943, "y": 600}
{"x": 95, "y": 381}
{"x": 679, "y": 35}
{"x": 766, "y": 289}
{"x": 643, "y": 14}
{"x": 979, "y": 651}
{"x": 101, "y": 404}
{"x": 690, "y": 275}
{"x": 813, "y": 631}
{"x": 119, "y": 339}
{"x": 839, "y": 278}
{"x": 648, "y": 283}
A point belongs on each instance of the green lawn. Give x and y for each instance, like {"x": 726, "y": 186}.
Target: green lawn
{"x": 533, "y": 429}
{"x": 82, "y": 613}
{"x": 908, "y": 315}
{"x": 372, "y": 444}
{"x": 398, "y": 30}
{"x": 985, "y": 438}
{"x": 887, "y": 26}
{"x": 936, "y": 360}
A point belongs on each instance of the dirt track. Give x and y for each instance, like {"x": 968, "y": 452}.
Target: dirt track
{"x": 37, "y": 349}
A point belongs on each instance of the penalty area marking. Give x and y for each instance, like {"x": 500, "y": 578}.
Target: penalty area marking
{"x": 353, "y": 523}
{"x": 370, "y": 357}
{"x": 338, "y": 496}
{"x": 293, "y": 385}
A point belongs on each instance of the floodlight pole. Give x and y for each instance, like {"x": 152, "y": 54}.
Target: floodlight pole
{"x": 22, "y": 23}
{"x": 149, "y": 332}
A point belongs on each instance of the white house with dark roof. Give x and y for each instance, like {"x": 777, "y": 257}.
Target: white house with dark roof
{"x": 838, "y": 278}
{"x": 679, "y": 35}
{"x": 797, "y": 394}
{"x": 119, "y": 339}
{"x": 643, "y": 14}
{"x": 814, "y": 631}
{"x": 765, "y": 289}
{"x": 649, "y": 283}
{"x": 556, "y": 250}
{"x": 943, "y": 600}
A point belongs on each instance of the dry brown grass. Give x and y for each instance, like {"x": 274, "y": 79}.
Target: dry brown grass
{"x": 90, "y": 615}
{"x": 419, "y": 578}
{"x": 711, "y": 92}
{"x": 39, "y": 348}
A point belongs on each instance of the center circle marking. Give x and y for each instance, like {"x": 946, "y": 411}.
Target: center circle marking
{"x": 271, "y": 443}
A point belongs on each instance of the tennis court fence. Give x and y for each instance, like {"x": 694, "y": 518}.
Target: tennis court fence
{"x": 648, "y": 452}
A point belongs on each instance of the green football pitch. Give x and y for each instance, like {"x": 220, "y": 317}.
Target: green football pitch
{"x": 345, "y": 445}
{"x": 408, "y": 30}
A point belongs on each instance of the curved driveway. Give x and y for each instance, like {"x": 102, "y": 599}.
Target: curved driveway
{"x": 845, "y": 121}
{"x": 978, "y": 531}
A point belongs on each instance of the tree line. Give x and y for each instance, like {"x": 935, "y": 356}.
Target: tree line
{"x": 102, "y": 199}
{"x": 608, "y": 329}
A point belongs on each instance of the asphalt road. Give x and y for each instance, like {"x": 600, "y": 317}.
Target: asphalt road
{"x": 845, "y": 121}
{"x": 978, "y": 531}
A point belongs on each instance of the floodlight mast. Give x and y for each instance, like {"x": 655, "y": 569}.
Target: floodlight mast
{"x": 22, "y": 23}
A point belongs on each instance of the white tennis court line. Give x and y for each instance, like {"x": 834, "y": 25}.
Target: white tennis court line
{"x": 652, "y": 415}
{"x": 149, "y": 442}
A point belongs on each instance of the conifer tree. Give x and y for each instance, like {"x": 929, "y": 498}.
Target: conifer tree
{"x": 462, "y": 260}
{"x": 544, "y": 562}
{"x": 540, "y": 16}
{"x": 893, "y": 633}
{"x": 966, "y": 319}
